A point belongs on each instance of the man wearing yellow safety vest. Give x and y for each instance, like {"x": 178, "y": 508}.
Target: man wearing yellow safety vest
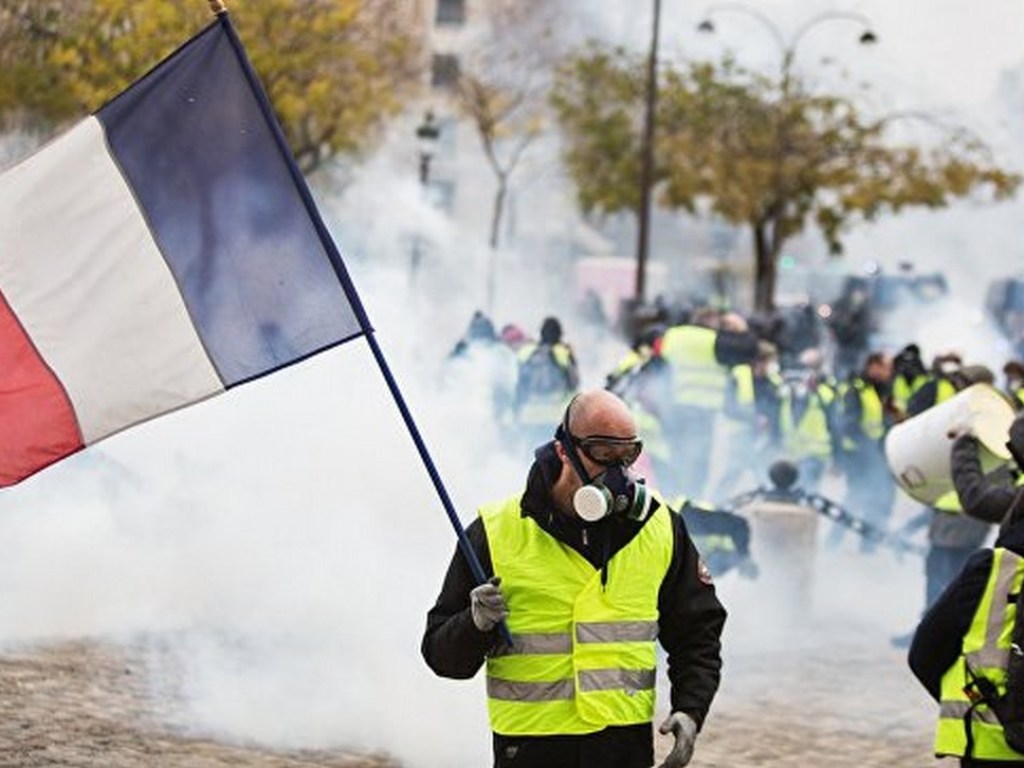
{"x": 699, "y": 354}
{"x": 865, "y": 415}
{"x": 751, "y": 424}
{"x": 962, "y": 647}
{"x": 722, "y": 537}
{"x": 806, "y": 419}
{"x": 641, "y": 379}
{"x": 908, "y": 375}
{"x": 547, "y": 377}
{"x": 589, "y": 569}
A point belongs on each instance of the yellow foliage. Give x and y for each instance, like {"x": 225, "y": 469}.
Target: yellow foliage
{"x": 333, "y": 69}
{"x": 757, "y": 152}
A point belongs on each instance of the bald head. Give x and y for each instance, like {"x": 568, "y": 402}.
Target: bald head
{"x": 599, "y": 412}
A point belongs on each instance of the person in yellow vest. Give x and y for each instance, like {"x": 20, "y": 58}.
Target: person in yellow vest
{"x": 590, "y": 568}
{"x": 548, "y": 376}
{"x": 751, "y": 424}
{"x": 952, "y": 536}
{"x": 908, "y": 375}
{"x": 944, "y": 379}
{"x": 865, "y": 415}
{"x": 964, "y": 640}
{"x": 986, "y": 495}
{"x": 699, "y": 354}
{"x": 806, "y": 419}
{"x": 641, "y": 379}
{"x": 722, "y": 537}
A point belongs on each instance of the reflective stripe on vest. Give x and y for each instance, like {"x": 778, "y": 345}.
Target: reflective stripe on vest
{"x": 699, "y": 380}
{"x": 583, "y": 655}
{"x": 985, "y": 650}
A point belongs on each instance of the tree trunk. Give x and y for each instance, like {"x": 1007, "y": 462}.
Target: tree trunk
{"x": 499, "y": 209}
{"x": 765, "y": 260}
{"x": 496, "y": 215}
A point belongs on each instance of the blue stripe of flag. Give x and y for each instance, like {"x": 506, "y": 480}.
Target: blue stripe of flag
{"x": 224, "y": 209}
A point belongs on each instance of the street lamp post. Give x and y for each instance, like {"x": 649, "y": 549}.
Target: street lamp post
{"x": 427, "y": 134}
{"x": 788, "y": 46}
{"x": 647, "y": 161}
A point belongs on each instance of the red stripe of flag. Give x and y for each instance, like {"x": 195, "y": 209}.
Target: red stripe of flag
{"x": 37, "y": 422}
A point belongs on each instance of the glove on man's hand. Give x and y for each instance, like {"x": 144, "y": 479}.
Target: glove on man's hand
{"x": 487, "y": 605}
{"x": 685, "y": 730}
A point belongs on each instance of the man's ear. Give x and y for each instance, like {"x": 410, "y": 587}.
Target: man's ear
{"x": 560, "y": 452}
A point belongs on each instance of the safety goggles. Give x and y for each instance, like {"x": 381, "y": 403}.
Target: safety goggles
{"x": 607, "y": 451}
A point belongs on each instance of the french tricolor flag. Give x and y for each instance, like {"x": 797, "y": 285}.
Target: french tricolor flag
{"x": 160, "y": 252}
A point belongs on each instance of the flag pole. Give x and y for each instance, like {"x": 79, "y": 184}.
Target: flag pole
{"x": 341, "y": 271}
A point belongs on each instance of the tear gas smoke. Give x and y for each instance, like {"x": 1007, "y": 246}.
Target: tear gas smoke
{"x": 277, "y": 548}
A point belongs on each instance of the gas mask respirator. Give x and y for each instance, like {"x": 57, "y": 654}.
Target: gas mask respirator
{"x": 614, "y": 491}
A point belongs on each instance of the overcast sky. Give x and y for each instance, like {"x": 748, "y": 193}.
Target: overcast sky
{"x": 930, "y": 55}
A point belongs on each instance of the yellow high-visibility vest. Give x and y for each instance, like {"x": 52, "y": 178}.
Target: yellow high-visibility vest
{"x": 542, "y": 409}
{"x": 985, "y": 649}
{"x": 699, "y": 380}
{"x": 583, "y": 653}
{"x": 872, "y": 414}
{"x": 810, "y": 435}
{"x": 903, "y": 390}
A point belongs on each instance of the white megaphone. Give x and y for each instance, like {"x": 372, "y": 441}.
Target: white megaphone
{"x": 918, "y": 449}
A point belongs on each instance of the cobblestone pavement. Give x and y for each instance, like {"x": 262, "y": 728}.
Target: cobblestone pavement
{"x": 855, "y": 707}
{"x": 86, "y": 705}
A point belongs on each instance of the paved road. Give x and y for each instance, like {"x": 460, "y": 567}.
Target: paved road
{"x": 810, "y": 679}
{"x": 86, "y": 706}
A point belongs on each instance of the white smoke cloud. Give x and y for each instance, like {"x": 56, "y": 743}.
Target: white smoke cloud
{"x": 277, "y": 548}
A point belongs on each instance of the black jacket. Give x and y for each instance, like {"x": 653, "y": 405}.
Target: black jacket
{"x": 939, "y": 637}
{"x": 690, "y": 622}
{"x": 986, "y": 497}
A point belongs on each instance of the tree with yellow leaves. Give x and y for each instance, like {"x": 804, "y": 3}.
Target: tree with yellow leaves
{"x": 762, "y": 152}
{"x": 334, "y": 69}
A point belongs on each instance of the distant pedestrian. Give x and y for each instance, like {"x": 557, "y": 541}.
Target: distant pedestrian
{"x": 548, "y": 377}
{"x": 865, "y": 416}
{"x": 699, "y": 354}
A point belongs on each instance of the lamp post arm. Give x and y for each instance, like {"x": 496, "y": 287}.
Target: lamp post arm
{"x": 762, "y": 18}
{"x": 821, "y": 18}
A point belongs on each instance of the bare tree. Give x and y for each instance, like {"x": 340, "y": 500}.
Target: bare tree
{"x": 502, "y": 89}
